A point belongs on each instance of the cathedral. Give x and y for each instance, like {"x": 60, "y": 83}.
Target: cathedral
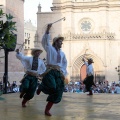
{"x": 92, "y": 29}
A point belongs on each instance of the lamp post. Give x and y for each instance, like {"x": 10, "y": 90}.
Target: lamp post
{"x": 118, "y": 70}
{"x": 5, "y": 77}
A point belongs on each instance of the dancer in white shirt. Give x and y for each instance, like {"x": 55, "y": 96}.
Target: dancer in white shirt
{"x": 53, "y": 80}
{"x": 89, "y": 80}
{"x": 34, "y": 67}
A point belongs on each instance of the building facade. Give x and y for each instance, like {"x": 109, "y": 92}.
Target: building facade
{"x": 29, "y": 35}
{"x": 91, "y": 29}
{"x": 15, "y": 69}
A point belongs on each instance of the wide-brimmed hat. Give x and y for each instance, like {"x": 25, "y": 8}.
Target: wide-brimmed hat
{"x": 91, "y": 60}
{"x": 57, "y": 38}
{"x": 33, "y": 50}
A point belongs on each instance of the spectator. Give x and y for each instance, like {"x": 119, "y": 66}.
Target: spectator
{"x": 117, "y": 89}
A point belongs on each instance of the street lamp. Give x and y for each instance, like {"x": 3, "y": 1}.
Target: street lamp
{"x": 118, "y": 70}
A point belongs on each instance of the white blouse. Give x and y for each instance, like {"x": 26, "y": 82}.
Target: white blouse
{"x": 90, "y": 70}
{"x": 52, "y": 54}
{"x": 27, "y": 63}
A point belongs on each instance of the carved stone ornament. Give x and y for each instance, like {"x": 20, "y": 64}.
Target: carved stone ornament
{"x": 91, "y": 36}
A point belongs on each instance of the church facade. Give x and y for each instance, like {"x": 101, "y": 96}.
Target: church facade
{"x": 90, "y": 29}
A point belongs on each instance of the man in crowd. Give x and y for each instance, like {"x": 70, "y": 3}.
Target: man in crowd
{"x": 89, "y": 80}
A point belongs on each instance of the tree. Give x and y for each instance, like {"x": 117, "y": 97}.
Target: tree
{"x": 7, "y": 36}
{"x": 8, "y": 41}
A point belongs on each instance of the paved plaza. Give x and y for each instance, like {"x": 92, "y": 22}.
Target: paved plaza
{"x": 74, "y": 106}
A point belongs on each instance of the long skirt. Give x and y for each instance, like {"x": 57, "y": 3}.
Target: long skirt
{"x": 29, "y": 85}
{"x": 53, "y": 85}
{"x": 89, "y": 81}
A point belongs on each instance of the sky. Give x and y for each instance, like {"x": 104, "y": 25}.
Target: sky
{"x": 31, "y": 8}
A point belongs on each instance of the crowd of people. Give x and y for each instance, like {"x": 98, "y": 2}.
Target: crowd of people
{"x": 77, "y": 87}
{"x": 101, "y": 87}
{"x": 11, "y": 87}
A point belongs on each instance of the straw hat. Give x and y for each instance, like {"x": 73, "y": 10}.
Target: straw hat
{"x": 90, "y": 60}
{"x": 33, "y": 50}
{"x": 57, "y": 38}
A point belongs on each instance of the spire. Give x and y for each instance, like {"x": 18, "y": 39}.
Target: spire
{"x": 39, "y": 7}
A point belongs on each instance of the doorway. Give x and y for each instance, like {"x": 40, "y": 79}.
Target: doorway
{"x": 83, "y": 72}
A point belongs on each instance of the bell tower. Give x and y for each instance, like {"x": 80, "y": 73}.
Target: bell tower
{"x": 56, "y": 1}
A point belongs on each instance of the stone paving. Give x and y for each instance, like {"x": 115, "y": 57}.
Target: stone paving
{"x": 74, "y": 106}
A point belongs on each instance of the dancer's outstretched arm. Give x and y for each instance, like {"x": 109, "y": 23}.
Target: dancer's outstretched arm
{"x": 46, "y": 37}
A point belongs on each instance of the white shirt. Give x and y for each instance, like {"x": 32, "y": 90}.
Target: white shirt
{"x": 27, "y": 63}
{"x": 89, "y": 70}
{"x": 52, "y": 54}
{"x": 117, "y": 90}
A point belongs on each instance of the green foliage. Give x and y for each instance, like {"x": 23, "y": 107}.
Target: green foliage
{"x": 7, "y": 29}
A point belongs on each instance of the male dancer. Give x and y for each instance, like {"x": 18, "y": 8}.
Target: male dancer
{"x": 89, "y": 80}
{"x": 53, "y": 79}
{"x": 34, "y": 67}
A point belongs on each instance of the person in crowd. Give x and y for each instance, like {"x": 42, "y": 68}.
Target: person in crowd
{"x": 34, "y": 67}
{"x": 117, "y": 88}
{"x": 53, "y": 79}
{"x": 89, "y": 80}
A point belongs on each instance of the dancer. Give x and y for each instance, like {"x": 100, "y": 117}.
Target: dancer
{"x": 34, "y": 67}
{"x": 89, "y": 80}
{"x": 53, "y": 79}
